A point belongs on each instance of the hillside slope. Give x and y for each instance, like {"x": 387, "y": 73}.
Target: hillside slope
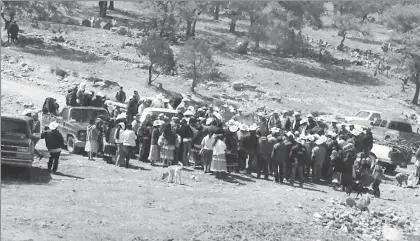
{"x": 282, "y": 83}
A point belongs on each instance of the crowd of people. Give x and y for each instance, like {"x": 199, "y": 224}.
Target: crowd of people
{"x": 285, "y": 147}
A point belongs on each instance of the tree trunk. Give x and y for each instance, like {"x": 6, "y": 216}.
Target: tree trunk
{"x": 111, "y": 5}
{"x": 102, "y": 8}
{"x": 416, "y": 94}
{"x": 341, "y": 45}
{"x": 257, "y": 44}
{"x": 216, "y": 11}
{"x": 193, "y": 28}
{"x": 194, "y": 83}
{"x": 363, "y": 19}
{"x": 232, "y": 25}
{"x": 150, "y": 74}
{"x": 188, "y": 32}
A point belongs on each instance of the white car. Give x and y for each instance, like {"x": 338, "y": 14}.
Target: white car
{"x": 363, "y": 117}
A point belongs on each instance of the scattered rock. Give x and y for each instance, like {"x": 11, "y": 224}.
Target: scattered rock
{"x": 60, "y": 72}
{"x": 122, "y": 31}
{"x": 350, "y": 202}
{"x": 317, "y": 215}
{"x": 107, "y": 26}
{"x": 86, "y": 23}
{"x": 240, "y": 86}
{"x": 58, "y": 39}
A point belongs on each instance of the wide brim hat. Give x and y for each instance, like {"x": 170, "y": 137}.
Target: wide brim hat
{"x": 310, "y": 116}
{"x": 27, "y": 112}
{"x": 233, "y": 129}
{"x": 122, "y": 125}
{"x": 300, "y": 140}
{"x": 253, "y": 127}
{"x": 244, "y": 128}
{"x": 157, "y": 123}
{"x": 53, "y": 125}
{"x": 122, "y": 116}
{"x": 290, "y": 134}
{"x": 354, "y": 133}
{"x": 321, "y": 140}
{"x": 275, "y": 130}
{"x": 186, "y": 100}
{"x": 209, "y": 121}
{"x": 310, "y": 138}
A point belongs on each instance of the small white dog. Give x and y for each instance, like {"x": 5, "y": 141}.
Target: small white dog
{"x": 174, "y": 174}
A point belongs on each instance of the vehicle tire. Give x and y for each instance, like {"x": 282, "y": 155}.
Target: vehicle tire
{"x": 70, "y": 145}
{"x": 27, "y": 173}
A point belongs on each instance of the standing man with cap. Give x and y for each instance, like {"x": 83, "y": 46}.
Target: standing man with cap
{"x": 54, "y": 141}
{"x": 274, "y": 121}
{"x": 285, "y": 122}
{"x": 319, "y": 153}
{"x": 132, "y": 107}
{"x": 250, "y": 145}
{"x": 298, "y": 155}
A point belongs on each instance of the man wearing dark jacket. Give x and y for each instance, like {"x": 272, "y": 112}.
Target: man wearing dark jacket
{"x": 120, "y": 96}
{"x": 367, "y": 142}
{"x": 54, "y": 141}
{"x": 288, "y": 164}
{"x": 132, "y": 108}
{"x": 186, "y": 134}
{"x": 263, "y": 156}
{"x": 250, "y": 144}
{"x": 279, "y": 156}
{"x": 298, "y": 155}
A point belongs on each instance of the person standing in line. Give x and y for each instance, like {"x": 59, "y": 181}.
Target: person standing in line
{"x": 279, "y": 156}
{"x": 299, "y": 155}
{"x": 91, "y": 140}
{"x": 207, "y": 150}
{"x": 129, "y": 143}
{"x": 319, "y": 153}
{"x": 119, "y": 140}
{"x": 154, "y": 154}
{"x": 218, "y": 164}
{"x": 54, "y": 141}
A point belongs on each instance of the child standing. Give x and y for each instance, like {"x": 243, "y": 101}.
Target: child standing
{"x": 377, "y": 178}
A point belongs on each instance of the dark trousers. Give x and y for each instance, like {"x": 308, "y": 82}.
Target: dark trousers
{"x": 144, "y": 150}
{"x": 251, "y": 157}
{"x": 262, "y": 163}
{"x": 299, "y": 170}
{"x": 241, "y": 160}
{"x": 53, "y": 161}
{"x": 128, "y": 154}
{"x": 376, "y": 190}
{"x": 278, "y": 169}
{"x": 288, "y": 169}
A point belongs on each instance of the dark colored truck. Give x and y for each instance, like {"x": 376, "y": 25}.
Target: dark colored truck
{"x": 17, "y": 147}
{"x": 73, "y": 122}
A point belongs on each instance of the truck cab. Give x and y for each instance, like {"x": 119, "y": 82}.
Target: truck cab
{"x": 393, "y": 129}
{"x": 73, "y": 121}
{"x": 17, "y": 147}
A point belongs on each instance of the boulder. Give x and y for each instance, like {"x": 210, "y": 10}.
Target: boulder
{"x": 86, "y": 23}
{"x": 107, "y": 26}
{"x": 350, "y": 202}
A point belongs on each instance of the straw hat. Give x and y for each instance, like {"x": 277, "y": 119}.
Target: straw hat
{"x": 122, "y": 125}
{"x": 53, "y": 125}
{"x": 275, "y": 130}
{"x": 321, "y": 140}
{"x": 157, "y": 123}
{"x": 310, "y": 116}
{"x": 296, "y": 114}
{"x": 354, "y": 132}
{"x": 188, "y": 113}
{"x": 253, "y": 127}
{"x": 244, "y": 127}
{"x": 290, "y": 134}
{"x": 209, "y": 121}
{"x": 304, "y": 122}
{"x": 27, "y": 112}
{"x": 310, "y": 138}
{"x": 300, "y": 140}
{"x": 233, "y": 129}
{"x": 186, "y": 100}
{"x": 122, "y": 116}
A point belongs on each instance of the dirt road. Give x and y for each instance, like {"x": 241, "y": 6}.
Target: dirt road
{"x": 92, "y": 200}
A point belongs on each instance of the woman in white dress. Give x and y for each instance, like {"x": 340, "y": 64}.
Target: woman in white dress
{"x": 218, "y": 164}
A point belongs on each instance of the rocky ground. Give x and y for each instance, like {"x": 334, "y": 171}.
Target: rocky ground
{"x": 96, "y": 201}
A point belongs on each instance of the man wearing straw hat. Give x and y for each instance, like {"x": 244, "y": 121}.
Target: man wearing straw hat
{"x": 298, "y": 155}
{"x": 54, "y": 141}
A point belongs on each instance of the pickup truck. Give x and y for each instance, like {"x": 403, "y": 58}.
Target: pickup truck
{"x": 390, "y": 156}
{"x": 17, "y": 147}
{"x": 394, "y": 129}
{"x": 363, "y": 117}
{"x": 73, "y": 122}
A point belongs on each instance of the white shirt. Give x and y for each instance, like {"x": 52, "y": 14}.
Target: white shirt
{"x": 121, "y": 139}
{"x": 207, "y": 142}
{"x": 141, "y": 109}
{"x": 219, "y": 148}
{"x": 129, "y": 138}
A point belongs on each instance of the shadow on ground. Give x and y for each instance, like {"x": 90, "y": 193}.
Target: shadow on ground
{"x": 37, "y": 46}
{"x": 16, "y": 175}
{"x": 327, "y": 72}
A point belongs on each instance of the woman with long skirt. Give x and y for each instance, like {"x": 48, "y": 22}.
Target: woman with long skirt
{"x": 168, "y": 141}
{"x": 154, "y": 153}
{"x": 119, "y": 139}
{"x": 207, "y": 151}
{"x": 218, "y": 164}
